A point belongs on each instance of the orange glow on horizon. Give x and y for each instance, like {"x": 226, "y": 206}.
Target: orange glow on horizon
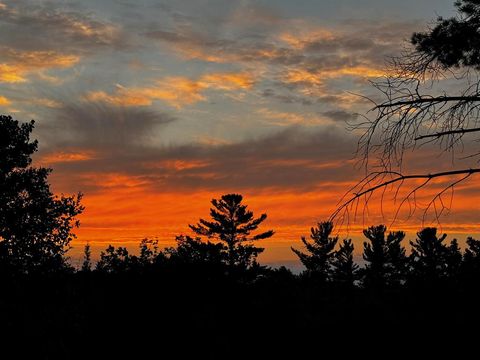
{"x": 127, "y": 210}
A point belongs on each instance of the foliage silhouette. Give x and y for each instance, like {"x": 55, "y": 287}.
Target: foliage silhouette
{"x": 470, "y": 267}
{"x": 35, "y": 226}
{"x": 432, "y": 261}
{"x": 318, "y": 260}
{"x": 114, "y": 260}
{"x": 344, "y": 269}
{"x": 194, "y": 251}
{"x": 453, "y": 42}
{"x": 119, "y": 260}
{"x": 385, "y": 258}
{"x": 87, "y": 259}
{"x": 232, "y": 225}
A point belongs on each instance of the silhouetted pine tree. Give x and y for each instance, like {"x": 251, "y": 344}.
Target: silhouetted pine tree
{"x": 470, "y": 268}
{"x": 429, "y": 257}
{"x": 344, "y": 269}
{"x": 386, "y": 262}
{"x": 397, "y": 260}
{"x": 453, "y": 258}
{"x": 232, "y": 224}
{"x": 320, "y": 251}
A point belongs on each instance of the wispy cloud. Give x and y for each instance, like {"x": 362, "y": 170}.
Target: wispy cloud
{"x": 46, "y": 25}
{"x": 16, "y": 65}
{"x": 4, "y": 101}
{"x": 280, "y": 118}
{"x": 177, "y": 91}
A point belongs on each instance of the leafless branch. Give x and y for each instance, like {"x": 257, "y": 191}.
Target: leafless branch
{"x": 376, "y": 181}
{"x": 451, "y": 132}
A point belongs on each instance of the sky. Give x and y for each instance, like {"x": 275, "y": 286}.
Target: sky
{"x": 153, "y": 108}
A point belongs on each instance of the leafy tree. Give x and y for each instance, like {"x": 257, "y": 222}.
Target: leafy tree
{"x": 149, "y": 253}
{"x": 344, "y": 269}
{"x": 320, "y": 250}
{"x": 385, "y": 258}
{"x": 194, "y": 251}
{"x": 232, "y": 225}
{"x": 36, "y": 227}
{"x": 87, "y": 261}
{"x": 115, "y": 260}
{"x": 119, "y": 260}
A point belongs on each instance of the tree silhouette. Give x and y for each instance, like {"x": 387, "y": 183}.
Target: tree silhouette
{"x": 320, "y": 251}
{"x": 432, "y": 261}
{"x": 149, "y": 253}
{"x": 344, "y": 269}
{"x": 114, "y": 260}
{"x": 397, "y": 264}
{"x": 35, "y": 225}
{"x": 232, "y": 224}
{"x": 430, "y": 95}
{"x": 471, "y": 262}
{"x": 87, "y": 261}
{"x": 453, "y": 259}
{"x": 452, "y": 42}
{"x": 197, "y": 254}
{"x": 385, "y": 258}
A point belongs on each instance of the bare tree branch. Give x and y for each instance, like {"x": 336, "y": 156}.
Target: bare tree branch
{"x": 451, "y": 132}
{"x": 423, "y": 100}
{"x": 366, "y": 191}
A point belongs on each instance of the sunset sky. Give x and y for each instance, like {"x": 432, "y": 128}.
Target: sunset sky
{"x": 152, "y": 108}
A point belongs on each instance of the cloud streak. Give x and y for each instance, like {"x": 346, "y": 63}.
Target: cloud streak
{"x": 176, "y": 91}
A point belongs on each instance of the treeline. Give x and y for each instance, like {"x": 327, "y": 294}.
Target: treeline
{"x": 432, "y": 261}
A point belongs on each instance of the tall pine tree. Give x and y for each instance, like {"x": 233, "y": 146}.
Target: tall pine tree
{"x": 233, "y": 224}
{"x": 320, "y": 251}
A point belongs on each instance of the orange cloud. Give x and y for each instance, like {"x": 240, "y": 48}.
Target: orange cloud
{"x": 228, "y": 81}
{"x": 288, "y": 118}
{"x": 47, "y": 103}
{"x": 64, "y": 156}
{"x": 177, "y": 91}
{"x": 4, "y": 101}
{"x": 178, "y": 165}
{"x": 116, "y": 181}
{"x": 318, "y": 78}
{"x": 17, "y": 65}
{"x": 303, "y": 38}
{"x": 11, "y": 74}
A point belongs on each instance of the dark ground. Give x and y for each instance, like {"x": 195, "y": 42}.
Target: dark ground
{"x": 92, "y": 315}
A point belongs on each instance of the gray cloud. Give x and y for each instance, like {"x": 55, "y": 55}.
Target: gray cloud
{"x": 34, "y": 26}
{"x": 363, "y": 41}
{"x": 339, "y": 115}
{"x": 98, "y": 125}
{"x": 286, "y": 98}
{"x": 293, "y": 158}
